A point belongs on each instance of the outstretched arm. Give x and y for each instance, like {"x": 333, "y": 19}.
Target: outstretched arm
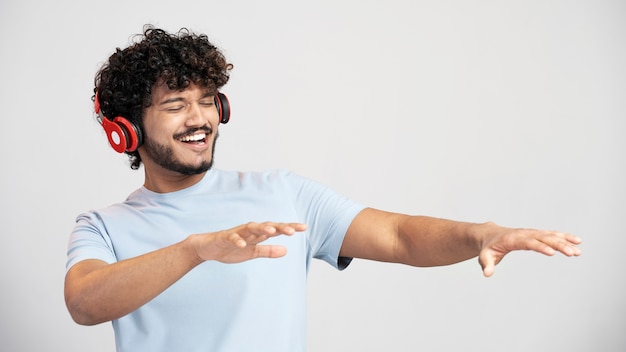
{"x": 96, "y": 292}
{"x": 427, "y": 241}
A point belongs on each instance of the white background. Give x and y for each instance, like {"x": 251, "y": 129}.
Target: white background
{"x": 510, "y": 111}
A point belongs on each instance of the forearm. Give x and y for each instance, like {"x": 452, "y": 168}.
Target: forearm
{"x": 96, "y": 292}
{"x": 428, "y": 241}
{"x": 413, "y": 240}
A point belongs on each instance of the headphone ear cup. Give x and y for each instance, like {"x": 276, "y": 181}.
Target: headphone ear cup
{"x": 122, "y": 134}
{"x": 131, "y": 132}
{"x": 223, "y": 107}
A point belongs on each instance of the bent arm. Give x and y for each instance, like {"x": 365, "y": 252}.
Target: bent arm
{"x": 428, "y": 241}
{"x": 96, "y": 292}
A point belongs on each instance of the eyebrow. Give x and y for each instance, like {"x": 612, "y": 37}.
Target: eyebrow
{"x": 177, "y": 99}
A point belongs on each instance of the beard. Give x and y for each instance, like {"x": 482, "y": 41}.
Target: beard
{"x": 163, "y": 156}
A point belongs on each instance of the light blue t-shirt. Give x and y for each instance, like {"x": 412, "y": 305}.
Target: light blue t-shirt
{"x": 258, "y": 305}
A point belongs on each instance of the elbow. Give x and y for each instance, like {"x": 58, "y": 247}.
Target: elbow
{"x": 78, "y": 314}
{"x": 79, "y": 309}
{"x": 83, "y": 319}
{"x": 81, "y": 296}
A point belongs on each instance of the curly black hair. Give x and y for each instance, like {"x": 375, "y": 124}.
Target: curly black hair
{"x": 124, "y": 84}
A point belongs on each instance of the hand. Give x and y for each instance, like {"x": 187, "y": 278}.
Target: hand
{"x": 241, "y": 243}
{"x": 499, "y": 241}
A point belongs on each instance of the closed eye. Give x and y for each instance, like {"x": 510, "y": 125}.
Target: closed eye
{"x": 175, "y": 108}
{"x": 207, "y": 102}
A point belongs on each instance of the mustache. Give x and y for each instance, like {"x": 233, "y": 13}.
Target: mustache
{"x": 206, "y": 129}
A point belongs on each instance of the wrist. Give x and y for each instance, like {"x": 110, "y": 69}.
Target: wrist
{"x": 479, "y": 234}
{"x": 189, "y": 247}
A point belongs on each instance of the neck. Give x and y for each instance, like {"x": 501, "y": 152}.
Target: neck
{"x": 169, "y": 181}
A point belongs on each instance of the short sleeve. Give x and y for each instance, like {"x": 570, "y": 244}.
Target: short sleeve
{"x": 89, "y": 240}
{"x": 328, "y": 215}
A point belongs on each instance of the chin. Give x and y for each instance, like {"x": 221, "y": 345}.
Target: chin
{"x": 192, "y": 169}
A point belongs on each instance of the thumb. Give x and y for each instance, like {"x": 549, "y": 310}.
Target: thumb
{"x": 269, "y": 251}
{"x": 488, "y": 263}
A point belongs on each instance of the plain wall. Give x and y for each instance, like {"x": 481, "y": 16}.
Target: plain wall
{"x": 505, "y": 111}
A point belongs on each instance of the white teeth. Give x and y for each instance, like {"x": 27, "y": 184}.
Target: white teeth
{"x": 194, "y": 138}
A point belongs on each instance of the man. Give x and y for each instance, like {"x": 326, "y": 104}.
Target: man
{"x": 172, "y": 265}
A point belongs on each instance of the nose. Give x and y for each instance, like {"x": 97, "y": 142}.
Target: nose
{"x": 197, "y": 116}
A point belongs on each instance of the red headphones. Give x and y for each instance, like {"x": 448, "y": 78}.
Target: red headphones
{"x": 126, "y": 136}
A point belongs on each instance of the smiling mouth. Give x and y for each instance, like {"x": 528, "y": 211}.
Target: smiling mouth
{"x": 196, "y": 137}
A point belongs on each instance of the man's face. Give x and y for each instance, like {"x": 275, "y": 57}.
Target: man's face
{"x": 180, "y": 130}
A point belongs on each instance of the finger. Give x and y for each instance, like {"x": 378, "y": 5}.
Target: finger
{"x": 563, "y": 243}
{"x": 253, "y": 232}
{"x": 290, "y": 228}
{"x": 269, "y": 251}
{"x": 571, "y": 248}
{"x": 235, "y": 239}
{"x": 568, "y": 249}
{"x": 573, "y": 239}
{"x": 272, "y": 228}
{"x": 287, "y": 228}
{"x": 541, "y": 247}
